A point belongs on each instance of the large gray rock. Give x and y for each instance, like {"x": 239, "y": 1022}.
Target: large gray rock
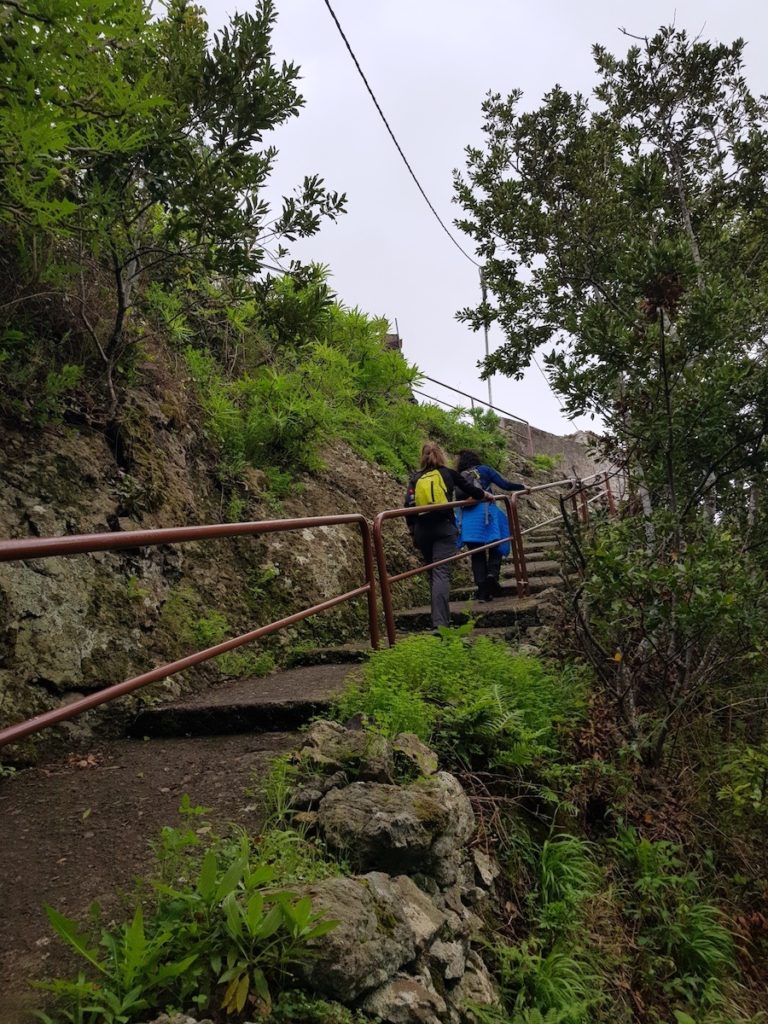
{"x": 407, "y": 1000}
{"x": 411, "y": 753}
{"x": 448, "y": 959}
{"x": 384, "y": 923}
{"x": 330, "y": 748}
{"x": 418, "y": 828}
{"x": 475, "y": 987}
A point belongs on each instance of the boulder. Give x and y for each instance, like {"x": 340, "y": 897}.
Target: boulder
{"x": 475, "y": 987}
{"x": 448, "y": 959}
{"x": 417, "y": 828}
{"x": 487, "y": 869}
{"x": 410, "y": 752}
{"x": 329, "y": 748}
{"x": 384, "y": 923}
{"x": 407, "y": 1000}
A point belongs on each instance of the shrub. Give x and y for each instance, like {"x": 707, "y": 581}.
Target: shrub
{"x": 545, "y": 463}
{"x": 475, "y": 702}
{"x": 675, "y": 924}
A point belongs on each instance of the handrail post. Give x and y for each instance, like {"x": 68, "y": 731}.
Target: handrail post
{"x": 609, "y": 492}
{"x": 584, "y": 506}
{"x": 516, "y": 554}
{"x": 370, "y": 578}
{"x": 521, "y": 569}
{"x": 384, "y": 584}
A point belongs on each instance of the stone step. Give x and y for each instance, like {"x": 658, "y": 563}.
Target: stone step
{"x": 344, "y": 654}
{"x": 537, "y": 567}
{"x": 505, "y": 613}
{"x": 276, "y": 703}
{"x": 509, "y": 588}
{"x": 536, "y": 544}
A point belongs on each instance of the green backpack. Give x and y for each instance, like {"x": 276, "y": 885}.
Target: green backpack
{"x": 430, "y": 489}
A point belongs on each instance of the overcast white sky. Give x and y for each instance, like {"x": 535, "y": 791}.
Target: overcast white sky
{"x": 430, "y": 63}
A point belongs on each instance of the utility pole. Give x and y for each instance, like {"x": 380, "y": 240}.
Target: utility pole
{"x": 484, "y": 296}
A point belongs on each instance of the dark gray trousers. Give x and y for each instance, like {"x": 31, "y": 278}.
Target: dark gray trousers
{"x": 439, "y": 578}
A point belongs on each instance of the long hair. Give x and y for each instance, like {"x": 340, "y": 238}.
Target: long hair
{"x": 467, "y": 459}
{"x": 432, "y": 456}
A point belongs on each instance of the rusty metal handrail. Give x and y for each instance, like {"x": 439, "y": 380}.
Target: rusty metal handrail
{"x": 385, "y": 580}
{"x": 44, "y": 547}
{"x": 578, "y": 495}
{"x": 515, "y": 538}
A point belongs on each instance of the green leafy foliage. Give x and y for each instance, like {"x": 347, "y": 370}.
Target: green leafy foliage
{"x": 662, "y": 622}
{"x": 219, "y": 932}
{"x": 537, "y": 983}
{"x": 568, "y": 876}
{"x": 475, "y": 702}
{"x": 134, "y": 144}
{"x": 745, "y": 781}
{"x": 332, "y": 378}
{"x": 686, "y": 944}
{"x": 624, "y": 233}
{"x": 545, "y": 463}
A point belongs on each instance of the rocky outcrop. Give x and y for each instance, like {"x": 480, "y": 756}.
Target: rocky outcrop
{"x": 403, "y": 950}
{"x": 384, "y": 924}
{"x": 419, "y": 828}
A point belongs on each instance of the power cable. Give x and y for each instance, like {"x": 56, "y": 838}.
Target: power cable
{"x": 392, "y": 135}
{"x": 418, "y": 184}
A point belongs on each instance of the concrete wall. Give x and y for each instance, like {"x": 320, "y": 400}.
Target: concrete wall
{"x": 573, "y": 450}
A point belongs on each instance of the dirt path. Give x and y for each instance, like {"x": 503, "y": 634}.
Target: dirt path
{"x": 78, "y": 829}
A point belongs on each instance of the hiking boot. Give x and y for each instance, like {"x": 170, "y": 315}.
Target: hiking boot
{"x": 494, "y": 587}
{"x": 483, "y": 593}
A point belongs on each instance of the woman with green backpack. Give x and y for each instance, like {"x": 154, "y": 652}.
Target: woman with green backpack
{"x": 434, "y": 532}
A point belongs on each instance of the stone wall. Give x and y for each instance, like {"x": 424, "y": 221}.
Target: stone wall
{"x": 574, "y": 450}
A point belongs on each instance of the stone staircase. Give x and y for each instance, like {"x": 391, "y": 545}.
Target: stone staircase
{"x": 114, "y": 797}
{"x": 290, "y": 698}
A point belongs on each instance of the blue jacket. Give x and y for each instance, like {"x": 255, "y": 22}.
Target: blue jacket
{"x": 483, "y": 523}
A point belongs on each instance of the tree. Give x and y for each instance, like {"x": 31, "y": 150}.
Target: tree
{"x": 139, "y": 144}
{"x": 629, "y": 234}
{"x": 631, "y": 237}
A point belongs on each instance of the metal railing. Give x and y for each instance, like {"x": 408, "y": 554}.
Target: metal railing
{"x": 372, "y": 543}
{"x": 45, "y": 547}
{"x": 473, "y": 401}
{"x": 514, "y": 538}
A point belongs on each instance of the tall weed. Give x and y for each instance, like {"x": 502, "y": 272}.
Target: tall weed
{"x": 685, "y": 940}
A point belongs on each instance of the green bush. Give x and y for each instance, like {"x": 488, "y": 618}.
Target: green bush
{"x": 220, "y": 932}
{"x": 331, "y": 377}
{"x": 475, "y": 702}
{"x": 545, "y": 463}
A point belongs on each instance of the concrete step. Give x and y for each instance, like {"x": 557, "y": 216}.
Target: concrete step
{"x": 276, "y": 703}
{"x": 539, "y": 567}
{"x": 536, "y": 544}
{"x": 515, "y": 613}
{"x": 345, "y": 654}
{"x": 509, "y": 588}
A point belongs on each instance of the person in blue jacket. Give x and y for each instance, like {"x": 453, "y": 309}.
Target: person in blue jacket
{"x": 481, "y": 524}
